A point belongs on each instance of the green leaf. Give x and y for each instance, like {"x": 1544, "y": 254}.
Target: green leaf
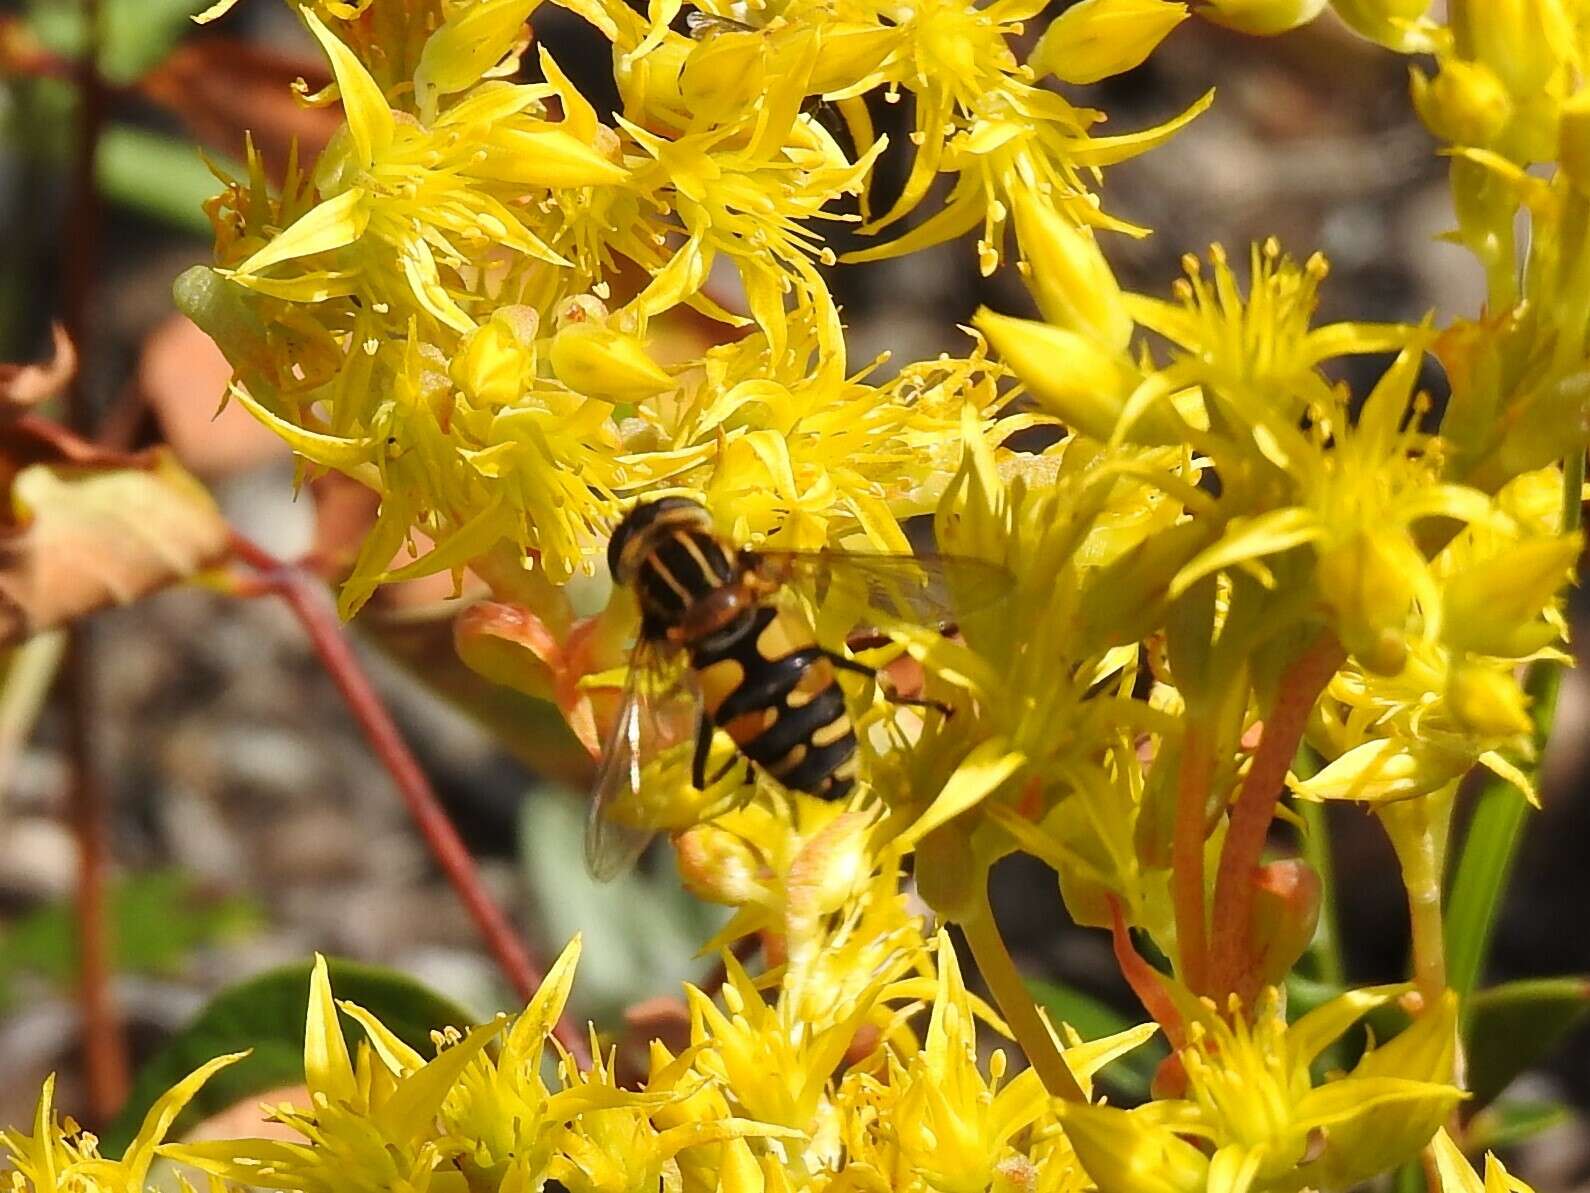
{"x": 157, "y": 176}
{"x": 1130, "y": 1076}
{"x": 1509, "y": 1122}
{"x": 641, "y": 930}
{"x": 267, "y": 1014}
{"x": 157, "y": 920}
{"x": 135, "y": 34}
{"x": 1512, "y": 1026}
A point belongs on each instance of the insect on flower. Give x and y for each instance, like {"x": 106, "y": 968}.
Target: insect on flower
{"x": 721, "y": 646}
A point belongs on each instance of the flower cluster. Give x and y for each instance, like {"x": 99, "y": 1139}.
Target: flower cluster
{"x": 1230, "y": 576}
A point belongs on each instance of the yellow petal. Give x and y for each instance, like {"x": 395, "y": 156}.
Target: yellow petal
{"x": 330, "y": 225}
{"x": 370, "y": 121}
{"x": 1382, "y": 770}
{"x": 980, "y": 773}
{"x": 328, "y": 1070}
{"x": 141, "y": 1151}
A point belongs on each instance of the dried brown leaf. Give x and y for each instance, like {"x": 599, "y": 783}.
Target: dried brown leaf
{"x": 82, "y": 538}
{"x": 221, "y": 88}
{"x": 25, "y": 385}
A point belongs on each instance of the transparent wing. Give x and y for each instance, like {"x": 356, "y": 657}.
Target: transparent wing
{"x": 704, "y": 24}
{"x": 658, "y": 713}
{"x": 926, "y": 589}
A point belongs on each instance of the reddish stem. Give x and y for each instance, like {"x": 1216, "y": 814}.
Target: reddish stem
{"x": 105, "y": 1061}
{"x": 1187, "y": 858}
{"x": 308, "y": 601}
{"x": 1146, "y": 981}
{"x": 1230, "y": 961}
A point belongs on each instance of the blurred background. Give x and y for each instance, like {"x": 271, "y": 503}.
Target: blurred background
{"x": 249, "y": 825}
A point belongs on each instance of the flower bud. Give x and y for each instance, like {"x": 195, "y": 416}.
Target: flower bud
{"x": 1465, "y": 105}
{"x": 1074, "y": 380}
{"x": 1492, "y": 606}
{"x": 1573, "y": 141}
{"x": 495, "y": 363}
{"x": 1099, "y": 38}
{"x": 1367, "y": 582}
{"x": 1068, "y": 275}
{"x": 1263, "y": 17}
{"x": 1487, "y": 701}
{"x": 602, "y": 363}
{"x": 1070, "y": 376}
{"x": 1286, "y": 901}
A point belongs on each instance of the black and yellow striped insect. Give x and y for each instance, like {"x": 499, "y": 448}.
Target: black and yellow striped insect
{"x": 720, "y": 648}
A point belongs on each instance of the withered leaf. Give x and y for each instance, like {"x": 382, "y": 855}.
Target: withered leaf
{"x": 80, "y": 539}
{"x": 24, "y": 385}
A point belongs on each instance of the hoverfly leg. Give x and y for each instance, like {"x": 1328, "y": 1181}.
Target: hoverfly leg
{"x": 938, "y": 706}
{"x": 844, "y": 664}
{"x": 698, "y": 763}
{"x": 893, "y": 697}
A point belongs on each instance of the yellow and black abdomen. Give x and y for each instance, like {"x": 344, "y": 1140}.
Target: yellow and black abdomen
{"x": 766, "y": 682}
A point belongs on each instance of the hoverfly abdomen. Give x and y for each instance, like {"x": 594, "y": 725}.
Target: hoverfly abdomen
{"x": 772, "y": 689}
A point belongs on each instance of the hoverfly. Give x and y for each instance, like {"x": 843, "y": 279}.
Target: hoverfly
{"x": 719, "y": 648}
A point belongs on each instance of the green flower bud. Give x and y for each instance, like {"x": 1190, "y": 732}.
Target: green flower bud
{"x": 1126, "y": 600}
{"x": 1099, "y": 38}
{"x": 1466, "y": 104}
{"x": 1286, "y": 902}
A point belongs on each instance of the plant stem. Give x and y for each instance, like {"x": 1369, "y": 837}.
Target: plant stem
{"x": 1419, "y": 829}
{"x": 104, "y": 1042}
{"x": 1015, "y": 1002}
{"x": 315, "y": 613}
{"x": 1249, "y": 826}
{"x": 1187, "y": 857}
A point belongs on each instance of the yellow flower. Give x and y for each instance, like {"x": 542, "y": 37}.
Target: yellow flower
{"x": 1458, "y": 1177}
{"x": 60, "y": 1157}
{"x": 1252, "y": 1100}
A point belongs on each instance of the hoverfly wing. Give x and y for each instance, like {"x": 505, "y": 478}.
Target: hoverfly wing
{"x": 703, "y": 24}
{"x": 929, "y": 589}
{"x": 658, "y": 711}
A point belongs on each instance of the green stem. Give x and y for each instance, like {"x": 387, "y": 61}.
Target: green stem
{"x": 1016, "y": 1004}
{"x": 1419, "y": 830}
{"x": 1491, "y": 844}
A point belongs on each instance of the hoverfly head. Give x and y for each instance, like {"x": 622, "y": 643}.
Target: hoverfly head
{"x": 639, "y": 528}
